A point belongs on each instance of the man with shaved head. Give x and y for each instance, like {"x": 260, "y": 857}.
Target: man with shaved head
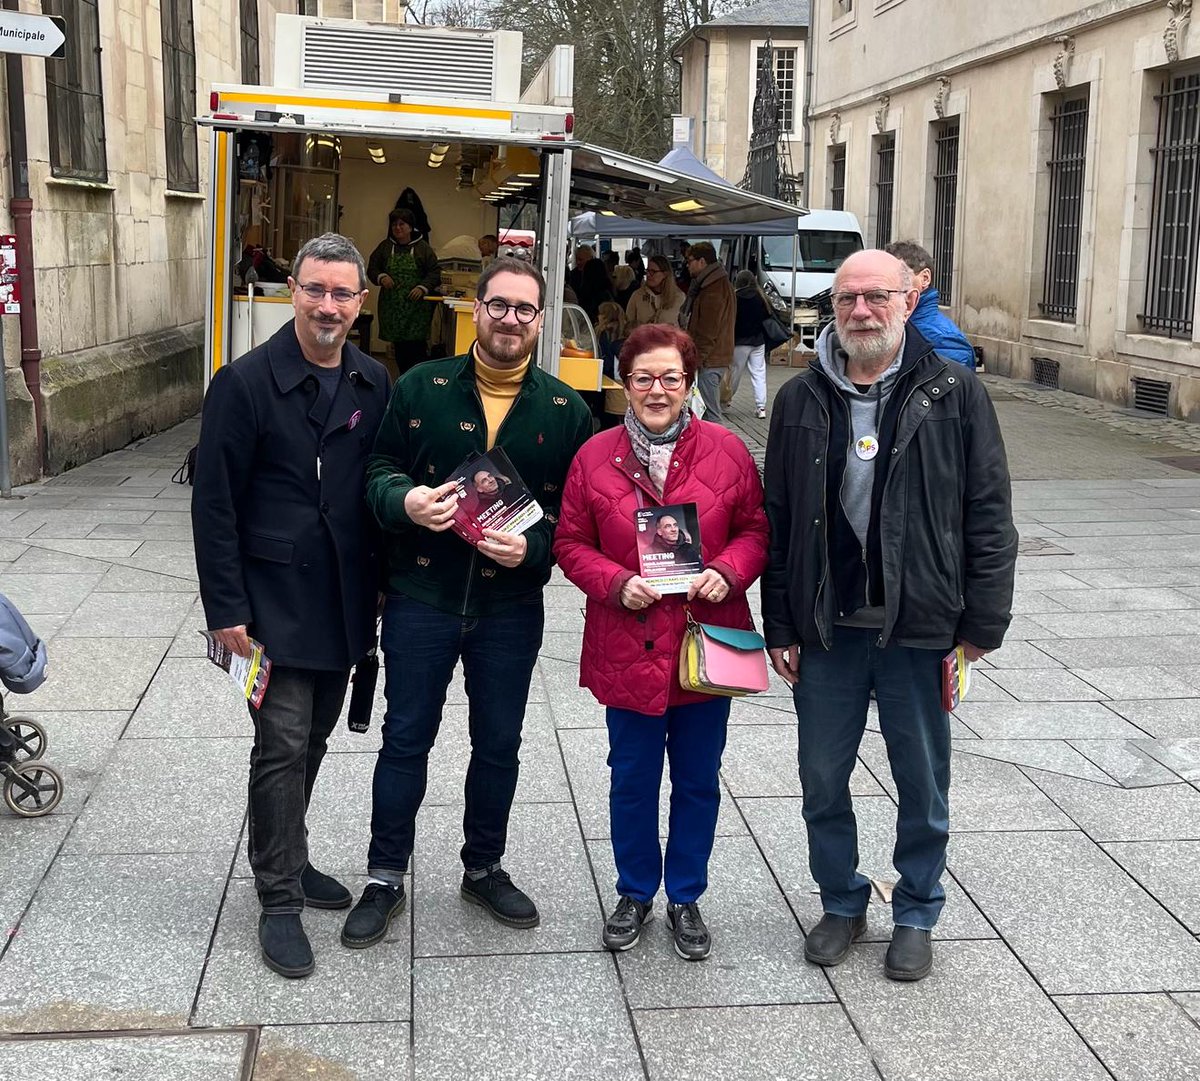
{"x": 892, "y": 542}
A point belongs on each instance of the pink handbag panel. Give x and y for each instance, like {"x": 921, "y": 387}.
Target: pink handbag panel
{"x": 725, "y": 666}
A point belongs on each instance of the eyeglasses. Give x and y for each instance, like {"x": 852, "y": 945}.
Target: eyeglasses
{"x": 644, "y": 381}
{"x": 317, "y": 293}
{"x": 654, "y": 270}
{"x": 498, "y": 309}
{"x": 875, "y": 298}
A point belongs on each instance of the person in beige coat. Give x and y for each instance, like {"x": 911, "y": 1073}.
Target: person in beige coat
{"x": 658, "y": 299}
{"x": 708, "y": 315}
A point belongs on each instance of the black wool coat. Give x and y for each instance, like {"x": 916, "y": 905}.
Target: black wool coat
{"x": 284, "y": 540}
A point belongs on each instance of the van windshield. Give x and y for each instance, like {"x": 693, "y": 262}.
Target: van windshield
{"x": 821, "y": 251}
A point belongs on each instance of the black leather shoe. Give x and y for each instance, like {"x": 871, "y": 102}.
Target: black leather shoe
{"x": 369, "y": 919}
{"x": 692, "y": 940}
{"x": 496, "y": 894}
{"x": 624, "y": 927}
{"x": 829, "y": 942}
{"x": 285, "y": 947}
{"x": 910, "y": 956}
{"x": 323, "y": 891}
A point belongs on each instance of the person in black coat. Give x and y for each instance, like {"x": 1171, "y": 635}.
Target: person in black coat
{"x": 288, "y": 554}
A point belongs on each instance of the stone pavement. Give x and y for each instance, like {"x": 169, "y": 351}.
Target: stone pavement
{"x": 1068, "y": 948}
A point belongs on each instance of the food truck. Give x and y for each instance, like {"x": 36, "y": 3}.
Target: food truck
{"x": 361, "y": 117}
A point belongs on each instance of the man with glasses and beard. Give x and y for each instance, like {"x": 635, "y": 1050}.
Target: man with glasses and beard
{"x": 288, "y": 554}
{"x": 892, "y": 541}
{"x": 448, "y": 601}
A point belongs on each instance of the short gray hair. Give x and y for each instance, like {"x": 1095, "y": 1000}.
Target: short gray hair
{"x": 331, "y": 248}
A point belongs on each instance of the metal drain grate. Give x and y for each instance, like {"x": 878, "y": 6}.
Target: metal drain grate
{"x": 1151, "y": 396}
{"x": 1045, "y": 372}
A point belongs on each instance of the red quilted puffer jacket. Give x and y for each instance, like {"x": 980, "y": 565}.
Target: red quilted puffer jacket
{"x": 631, "y": 660}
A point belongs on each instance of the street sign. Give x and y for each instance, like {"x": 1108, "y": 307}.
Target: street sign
{"x": 10, "y": 286}
{"x": 32, "y": 35}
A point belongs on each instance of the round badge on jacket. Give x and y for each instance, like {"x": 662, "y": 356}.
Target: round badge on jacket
{"x": 866, "y": 448}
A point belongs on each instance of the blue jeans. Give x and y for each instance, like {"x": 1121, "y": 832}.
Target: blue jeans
{"x": 421, "y": 645}
{"x": 831, "y": 703}
{"x": 693, "y": 737}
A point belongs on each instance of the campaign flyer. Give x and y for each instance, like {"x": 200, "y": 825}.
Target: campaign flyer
{"x": 491, "y": 495}
{"x": 668, "y": 540}
{"x": 956, "y": 678}
{"x": 249, "y": 674}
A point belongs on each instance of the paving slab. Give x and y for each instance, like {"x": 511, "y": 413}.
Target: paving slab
{"x": 1162, "y": 813}
{"x": 1180, "y": 756}
{"x": 1068, "y": 915}
{"x": 1044, "y": 720}
{"x": 1132, "y": 599}
{"x": 165, "y": 795}
{"x": 1178, "y": 719}
{"x": 107, "y": 551}
{"x": 762, "y": 762}
{"x": 985, "y": 689}
{"x": 121, "y": 579}
{"x": 571, "y": 705}
{"x": 1168, "y": 870}
{"x": 1043, "y": 685}
{"x": 545, "y": 856}
{"x": 190, "y": 697}
{"x": 778, "y": 827}
{"x": 536, "y": 1017}
{"x": 986, "y": 795}
{"x": 978, "y": 1017}
{"x": 45, "y": 593}
{"x": 753, "y": 961}
{"x": 586, "y": 753}
{"x": 29, "y": 847}
{"x": 753, "y": 1043}
{"x": 346, "y": 985}
{"x": 1017, "y": 654}
{"x": 1137, "y": 681}
{"x": 1138, "y": 1037}
{"x": 195, "y": 1056}
{"x": 1124, "y": 762}
{"x": 79, "y": 743}
{"x": 128, "y": 615}
{"x": 93, "y": 673}
{"x": 1121, "y": 624}
{"x": 1051, "y": 755}
{"x": 112, "y": 942}
{"x": 188, "y": 642}
{"x": 174, "y": 557}
{"x": 1135, "y": 577}
{"x": 342, "y": 1052}
{"x": 1108, "y": 652}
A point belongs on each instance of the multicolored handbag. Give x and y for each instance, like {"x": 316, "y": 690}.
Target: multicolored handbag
{"x": 722, "y": 660}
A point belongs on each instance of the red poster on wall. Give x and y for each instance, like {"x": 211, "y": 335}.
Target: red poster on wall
{"x": 10, "y": 288}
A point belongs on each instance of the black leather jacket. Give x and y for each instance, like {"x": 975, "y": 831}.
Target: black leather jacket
{"x": 946, "y": 534}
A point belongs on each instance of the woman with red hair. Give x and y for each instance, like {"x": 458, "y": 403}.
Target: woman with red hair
{"x": 661, "y": 456}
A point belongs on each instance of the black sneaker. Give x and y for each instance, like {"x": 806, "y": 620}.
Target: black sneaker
{"x": 624, "y": 927}
{"x": 323, "y": 891}
{"x": 692, "y": 940}
{"x": 285, "y": 947}
{"x": 496, "y": 894}
{"x": 910, "y": 956}
{"x": 829, "y": 942}
{"x": 368, "y": 921}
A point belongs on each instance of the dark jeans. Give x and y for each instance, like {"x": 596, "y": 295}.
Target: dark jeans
{"x": 421, "y": 646}
{"x": 831, "y": 704}
{"x": 291, "y": 730}
{"x": 693, "y": 737}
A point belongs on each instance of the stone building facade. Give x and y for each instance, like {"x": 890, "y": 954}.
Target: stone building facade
{"x": 718, "y": 75}
{"x": 118, "y": 178}
{"x": 1048, "y": 153}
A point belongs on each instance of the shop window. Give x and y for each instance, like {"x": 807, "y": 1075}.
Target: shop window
{"x": 945, "y": 206}
{"x": 74, "y": 95}
{"x": 885, "y": 184}
{"x": 250, "y": 63}
{"x": 837, "y": 176}
{"x": 302, "y": 192}
{"x": 179, "y": 95}
{"x": 1065, "y": 172}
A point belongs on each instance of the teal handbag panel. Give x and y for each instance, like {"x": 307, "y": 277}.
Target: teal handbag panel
{"x": 736, "y": 639}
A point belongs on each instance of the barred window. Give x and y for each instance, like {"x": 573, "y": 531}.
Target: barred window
{"x": 785, "y": 85}
{"x": 74, "y": 95}
{"x": 837, "y": 176}
{"x": 306, "y": 7}
{"x": 250, "y": 68}
{"x": 179, "y": 95}
{"x": 1171, "y": 265}
{"x": 1068, "y": 157}
{"x": 885, "y": 183}
{"x": 945, "y": 206}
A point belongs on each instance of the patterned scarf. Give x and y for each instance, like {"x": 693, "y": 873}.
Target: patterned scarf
{"x": 655, "y": 451}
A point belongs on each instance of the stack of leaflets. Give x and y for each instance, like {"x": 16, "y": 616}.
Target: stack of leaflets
{"x": 491, "y": 495}
{"x": 668, "y": 540}
{"x": 956, "y": 678}
{"x": 250, "y": 674}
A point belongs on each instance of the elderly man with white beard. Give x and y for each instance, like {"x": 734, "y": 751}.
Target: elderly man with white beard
{"x": 892, "y": 541}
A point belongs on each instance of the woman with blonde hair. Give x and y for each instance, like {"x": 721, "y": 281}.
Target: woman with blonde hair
{"x": 611, "y": 332}
{"x": 659, "y": 299}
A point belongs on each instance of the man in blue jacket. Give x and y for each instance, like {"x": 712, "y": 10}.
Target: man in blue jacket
{"x": 938, "y": 330}
{"x": 288, "y": 554}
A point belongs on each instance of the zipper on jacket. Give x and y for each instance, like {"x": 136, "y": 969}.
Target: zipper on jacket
{"x": 824, "y": 526}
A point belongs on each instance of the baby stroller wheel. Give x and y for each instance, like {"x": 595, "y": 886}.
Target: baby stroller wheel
{"x": 31, "y": 739}
{"x": 33, "y": 789}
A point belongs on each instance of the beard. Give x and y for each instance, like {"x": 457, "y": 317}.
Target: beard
{"x": 881, "y": 344}
{"x": 507, "y": 348}
{"x": 326, "y": 333}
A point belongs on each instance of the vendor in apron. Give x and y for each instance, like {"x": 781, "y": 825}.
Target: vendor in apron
{"x": 406, "y": 270}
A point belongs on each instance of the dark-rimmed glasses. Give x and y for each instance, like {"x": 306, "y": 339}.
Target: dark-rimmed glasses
{"x": 319, "y": 293}
{"x": 644, "y": 381}
{"x": 498, "y": 309}
{"x": 875, "y": 298}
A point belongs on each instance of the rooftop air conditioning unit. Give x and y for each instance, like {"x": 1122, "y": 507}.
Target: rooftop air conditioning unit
{"x": 422, "y": 61}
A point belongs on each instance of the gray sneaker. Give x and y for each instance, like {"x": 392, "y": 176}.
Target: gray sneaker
{"x": 624, "y": 927}
{"x": 692, "y": 940}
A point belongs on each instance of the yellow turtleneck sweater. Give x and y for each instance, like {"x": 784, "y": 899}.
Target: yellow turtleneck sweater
{"x": 498, "y": 389}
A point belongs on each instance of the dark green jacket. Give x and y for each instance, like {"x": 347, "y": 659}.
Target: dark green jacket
{"x": 434, "y": 420}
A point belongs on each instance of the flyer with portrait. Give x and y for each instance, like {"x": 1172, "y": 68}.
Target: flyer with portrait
{"x": 249, "y": 674}
{"x": 491, "y": 495}
{"x": 668, "y": 540}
